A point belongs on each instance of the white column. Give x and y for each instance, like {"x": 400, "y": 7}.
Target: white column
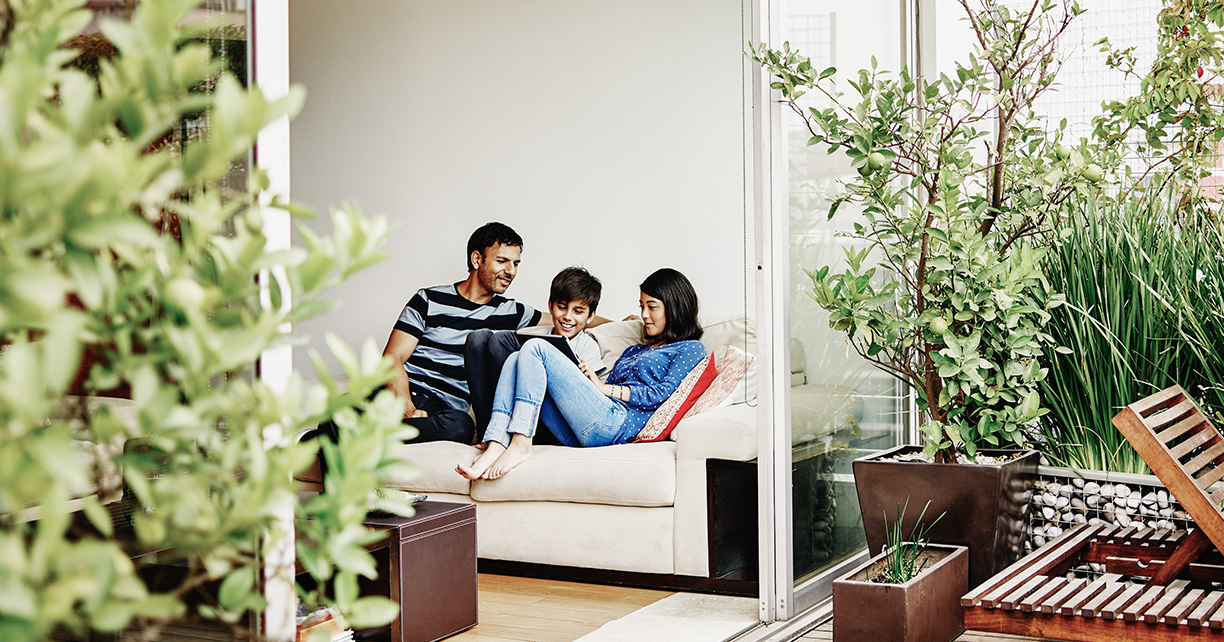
{"x": 773, "y": 471}
{"x": 270, "y": 64}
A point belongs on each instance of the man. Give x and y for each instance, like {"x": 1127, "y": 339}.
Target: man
{"x": 428, "y": 339}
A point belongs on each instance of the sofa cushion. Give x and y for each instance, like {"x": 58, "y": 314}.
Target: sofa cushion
{"x": 435, "y": 462}
{"x": 668, "y": 414}
{"x": 614, "y": 337}
{"x": 741, "y": 333}
{"x": 732, "y": 368}
{"x": 624, "y": 475}
{"x": 819, "y": 411}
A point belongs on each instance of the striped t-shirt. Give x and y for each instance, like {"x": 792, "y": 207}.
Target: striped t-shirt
{"x": 440, "y": 319}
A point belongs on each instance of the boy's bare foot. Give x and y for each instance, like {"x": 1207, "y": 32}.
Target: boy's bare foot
{"x": 518, "y": 452}
{"x": 478, "y": 468}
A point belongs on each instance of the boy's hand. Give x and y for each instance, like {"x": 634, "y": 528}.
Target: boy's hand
{"x": 586, "y": 370}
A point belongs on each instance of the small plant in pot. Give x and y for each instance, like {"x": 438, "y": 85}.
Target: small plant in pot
{"x": 908, "y": 593}
{"x": 946, "y": 290}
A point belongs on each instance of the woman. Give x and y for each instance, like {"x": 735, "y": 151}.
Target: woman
{"x": 538, "y": 382}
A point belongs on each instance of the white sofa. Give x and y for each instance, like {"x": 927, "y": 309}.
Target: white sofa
{"x": 639, "y": 507}
{"x": 634, "y": 507}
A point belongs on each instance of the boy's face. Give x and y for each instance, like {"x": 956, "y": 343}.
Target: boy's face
{"x": 569, "y": 317}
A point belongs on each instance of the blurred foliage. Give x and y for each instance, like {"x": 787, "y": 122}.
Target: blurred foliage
{"x": 206, "y": 449}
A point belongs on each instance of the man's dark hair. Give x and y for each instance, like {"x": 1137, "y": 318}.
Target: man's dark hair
{"x": 575, "y": 284}
{"x": 488, "y": 235}
{"x": 679, "y": 306}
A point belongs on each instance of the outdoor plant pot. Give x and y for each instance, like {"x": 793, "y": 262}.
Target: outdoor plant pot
{"x": 925, "y": 609}
{"x": 983, "y": 505}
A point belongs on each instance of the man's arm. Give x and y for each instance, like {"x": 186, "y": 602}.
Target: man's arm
{"x": 400, "y": 346}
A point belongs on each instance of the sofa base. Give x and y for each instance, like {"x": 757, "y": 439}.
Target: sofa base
{"x": 659, "y": 581}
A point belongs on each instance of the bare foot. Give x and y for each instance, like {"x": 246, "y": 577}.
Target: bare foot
{"x": 518, "y": 452}
{"x": 482, "y": 463}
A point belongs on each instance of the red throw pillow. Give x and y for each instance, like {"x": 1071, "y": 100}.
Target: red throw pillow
{"x": 664, "y": 420}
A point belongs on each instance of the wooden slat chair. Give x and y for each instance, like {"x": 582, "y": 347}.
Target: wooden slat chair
{"x": 1184, "y": 597}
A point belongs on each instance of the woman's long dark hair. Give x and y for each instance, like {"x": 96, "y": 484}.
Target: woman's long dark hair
{"x": 679, "y": 306}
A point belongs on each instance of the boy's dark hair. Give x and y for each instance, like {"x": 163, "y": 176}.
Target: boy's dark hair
{"x": 488, "y": 235}
{"x": 679, "y": 306}
{"x": 575, "y": 284}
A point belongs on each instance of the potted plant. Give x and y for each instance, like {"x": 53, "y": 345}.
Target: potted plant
{"x": 946, "y": 292}
{"x": 910, "y": 592}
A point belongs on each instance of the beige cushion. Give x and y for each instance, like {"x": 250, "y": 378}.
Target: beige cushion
{"x": 691, "y": 388}
{"x": 818, "y": 411}
{"x": 436, "y": 461}
{"x": 732, "y": 367}
{"x": 741, "y": 333}
{"x": 797, "y": 359}
{"x": 624, "y": 475}
{"x": 614, "y": 337}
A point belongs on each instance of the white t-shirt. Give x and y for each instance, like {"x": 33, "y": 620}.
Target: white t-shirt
{"x": 587, "y": 348}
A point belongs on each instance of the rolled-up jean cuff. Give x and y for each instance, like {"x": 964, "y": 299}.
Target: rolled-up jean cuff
{"x": 522, "y": 421}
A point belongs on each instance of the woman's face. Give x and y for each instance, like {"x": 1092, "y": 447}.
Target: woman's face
{"x": 653, "y": 315}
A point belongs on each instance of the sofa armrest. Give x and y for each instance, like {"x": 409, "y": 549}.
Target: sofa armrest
{"x": 722, "y": 433}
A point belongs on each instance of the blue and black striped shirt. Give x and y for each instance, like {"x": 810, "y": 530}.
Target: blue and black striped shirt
{"x": 440, "y": 319}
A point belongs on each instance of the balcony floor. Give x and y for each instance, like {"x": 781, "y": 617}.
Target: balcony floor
{"x": 825, "y": 632}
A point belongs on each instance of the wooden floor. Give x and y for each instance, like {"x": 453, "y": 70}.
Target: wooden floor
{"x": 523, "y": 609}
{"x": 825, "y": 632}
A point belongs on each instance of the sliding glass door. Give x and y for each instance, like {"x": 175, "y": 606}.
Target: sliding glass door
{"x": 828, "y": 404}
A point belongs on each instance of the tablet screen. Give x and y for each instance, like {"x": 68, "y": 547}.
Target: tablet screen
{"x": 558, "y": 341}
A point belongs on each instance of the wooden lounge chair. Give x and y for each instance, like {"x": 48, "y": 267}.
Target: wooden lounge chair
{"x": 1184, "y": 597}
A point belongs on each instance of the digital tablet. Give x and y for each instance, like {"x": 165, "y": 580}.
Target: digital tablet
{"x": 559, "y": 342}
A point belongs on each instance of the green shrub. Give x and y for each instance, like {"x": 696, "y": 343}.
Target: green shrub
{"x": 1143, "y": 295}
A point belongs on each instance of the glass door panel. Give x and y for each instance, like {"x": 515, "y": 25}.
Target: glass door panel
{"x": 841, "y": 406}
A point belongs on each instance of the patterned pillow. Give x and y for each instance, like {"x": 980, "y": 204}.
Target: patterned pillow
{"x": 733, "y": 366}
{"x": 661, "y": 423}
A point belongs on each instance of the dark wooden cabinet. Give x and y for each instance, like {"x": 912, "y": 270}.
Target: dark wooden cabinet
{"x": 431, "y": 570}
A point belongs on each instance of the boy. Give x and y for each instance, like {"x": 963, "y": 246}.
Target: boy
{"x": 572, "y": 300}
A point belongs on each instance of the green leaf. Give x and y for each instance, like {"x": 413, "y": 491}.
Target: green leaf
{"x": 236, "y": 587}
{"x": 98, "y": 516}
{"x": 372, "y": 611}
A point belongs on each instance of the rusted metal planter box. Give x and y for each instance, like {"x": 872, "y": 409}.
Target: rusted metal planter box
{"x": 925, "y": 609}
{"x": 983, "y": 506}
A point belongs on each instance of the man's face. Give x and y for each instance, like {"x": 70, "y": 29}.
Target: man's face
{"x": 497, "y": 267}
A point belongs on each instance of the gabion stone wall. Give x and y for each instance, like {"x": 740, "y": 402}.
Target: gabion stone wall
{"x": 1060, "y": 502}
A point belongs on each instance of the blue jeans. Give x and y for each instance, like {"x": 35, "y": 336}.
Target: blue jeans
{"x": 538, "y": 382}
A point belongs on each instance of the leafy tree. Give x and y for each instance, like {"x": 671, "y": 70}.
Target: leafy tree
{"x": 176, "y": 322}
{"x": 959, "y": 309}
{"x": 1172, "y": 129}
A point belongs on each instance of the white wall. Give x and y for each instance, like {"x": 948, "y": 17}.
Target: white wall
{"x": 608, "y": 134}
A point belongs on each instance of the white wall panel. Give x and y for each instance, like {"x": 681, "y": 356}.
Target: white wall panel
{"x": 608, "y": 134}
